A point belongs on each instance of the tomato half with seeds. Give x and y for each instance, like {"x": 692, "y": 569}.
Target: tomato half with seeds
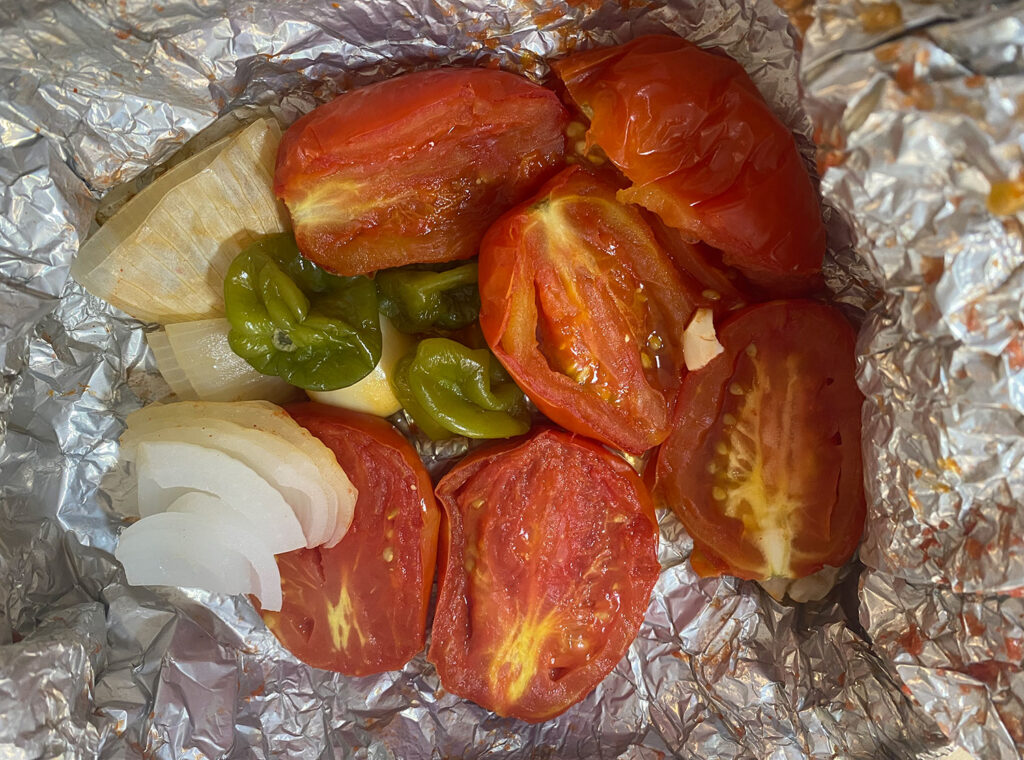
{"x": 413, "y": 169}
{"x": 705, "y": 152}
{"x": 585, "y": 309}
{"x": 763, "y": 465}
{"x": 360, "y": 607}
{"x": 550, "y": 555}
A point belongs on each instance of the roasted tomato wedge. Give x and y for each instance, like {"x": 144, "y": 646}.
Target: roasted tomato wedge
{"x": 702, "y": 271}
{"x": 550, "y": 555}
{"x": 705, "y": 152}
{"x": 361, "y": 606}
{"x": 763, "y": 465}
{"x": 414, "y": 169}
{"x": 586, "y": 311}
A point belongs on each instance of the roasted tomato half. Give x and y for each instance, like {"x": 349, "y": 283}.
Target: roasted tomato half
{"x": 763, "y": 465}
{"x": 705, "y": 152}
{"x": 549, "y": 557}
{"x": 414, "y": 169}
{"x": 361, "y": 606}
{"x": 586, "y": 311}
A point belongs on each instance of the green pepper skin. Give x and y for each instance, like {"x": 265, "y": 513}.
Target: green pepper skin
{"x": 418, "y": 300}
{"x": 292, "y": 319}
{"x": 449, "y": 389}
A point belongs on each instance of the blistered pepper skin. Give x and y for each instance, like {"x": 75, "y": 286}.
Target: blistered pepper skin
{"x": 292, "y": 319}
{"x": 449, "y": 389}
{"x": 421, "y": 300}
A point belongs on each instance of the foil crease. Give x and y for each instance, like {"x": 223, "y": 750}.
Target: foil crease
{"x": 97, "y": 94}
{"x": 918, "y": 123}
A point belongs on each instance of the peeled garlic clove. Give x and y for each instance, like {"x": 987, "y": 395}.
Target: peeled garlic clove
{"x": 242, "y": 536}
{"x": 167, "y": 470}
{"x": 700, "y": 343}
{"x": 284, "y": 466}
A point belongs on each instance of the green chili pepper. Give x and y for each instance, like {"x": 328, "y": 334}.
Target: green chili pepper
{"x": 417, "y": 300}
{"x": 292, "y": 319}
{"x": 447, "y": 388}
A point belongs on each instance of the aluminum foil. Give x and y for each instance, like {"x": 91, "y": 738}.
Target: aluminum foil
{"x": 97, "y": 94}
{"x": 919, "y": 122}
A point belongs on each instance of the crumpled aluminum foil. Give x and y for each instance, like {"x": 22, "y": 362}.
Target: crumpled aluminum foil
{"x": 97, "y": 93}
{"x": 919, "y": 121}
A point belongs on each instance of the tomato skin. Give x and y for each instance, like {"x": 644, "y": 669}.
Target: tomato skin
{"x": 586, "y": 311}
{"x": 413, "y": 169}
{"x": 550, "y": 547}
{"x": 766, "y": 444}
{"x": 713, "y": 160}
{"x": 350, "y": 608}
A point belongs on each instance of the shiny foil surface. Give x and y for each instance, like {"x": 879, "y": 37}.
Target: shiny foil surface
{"x": 921, "y": 125}
{"x": 916, "y": 114}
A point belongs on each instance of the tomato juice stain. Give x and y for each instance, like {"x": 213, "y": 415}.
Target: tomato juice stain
{"x": 1007, "y": 197}
{"x": 910, "y": 641}
{"x": 876, "y": 18}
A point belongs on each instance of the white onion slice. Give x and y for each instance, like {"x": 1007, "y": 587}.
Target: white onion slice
{"x": 373, "y": 394}
{"x": 167, "y": 470}
{"x": 261, "y": 415}
{"x": 197, "y": 362}
{"x": 243, "y": 536}
{"x": 282, "y": 464}
{"x": 182, "y": 549}
{"x": 167, "y": 363}
{"x": 163, "y": 256}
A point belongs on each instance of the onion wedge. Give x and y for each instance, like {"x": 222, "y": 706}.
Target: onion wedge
{"x": 282, "y": 464}
{"x": 168, "y": 470}
{"x": 163, "y": 256}
{"x": 243, "y": 536}
{"x": 197, "y": 362}
{"x": 193, "y": 550}
{"x": 262, "y": 415}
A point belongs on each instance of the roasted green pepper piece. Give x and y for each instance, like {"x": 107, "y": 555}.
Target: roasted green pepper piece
{"x": 417, "y": 300}
{"x": 292, "y": 319}
{"x": 447, "y": 388}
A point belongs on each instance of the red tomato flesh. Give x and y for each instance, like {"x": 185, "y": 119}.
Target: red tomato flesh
{"x": 704, "y": 152}
{"x": 360, "y": 607}
{"x": 763, "y": 465}
{"x": 414, "y": 169}
{"x": 586, "y": 311}
{"x": 550, "y": 556}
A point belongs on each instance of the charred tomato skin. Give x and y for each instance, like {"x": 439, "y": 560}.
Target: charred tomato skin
{"x": 549, "y": 556}
{"x": 360, "y": 607}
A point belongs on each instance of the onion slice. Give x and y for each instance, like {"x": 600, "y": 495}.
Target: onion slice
{"x": 282, "y": 464}
{"x": 192, "y": 550}
{"x": 243, "y": 536}
{"x": 163, "y": 256}
{"x": 168, "y": 470}
{"x": 197, "y": 362}
{"x": 261, "y": 415}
